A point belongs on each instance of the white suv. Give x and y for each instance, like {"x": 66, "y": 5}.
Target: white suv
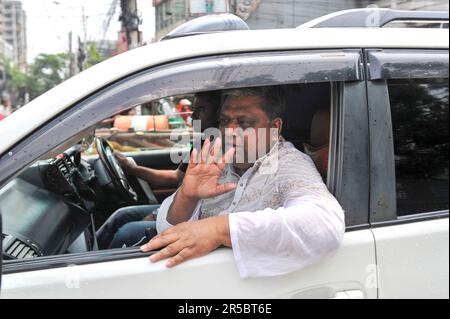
{"x": 386, "y": 90}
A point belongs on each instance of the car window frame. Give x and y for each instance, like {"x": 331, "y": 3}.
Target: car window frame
{"x": 228, "y": 73}
{"x": 382, "y": 66}
{"x": 351, "y": 157}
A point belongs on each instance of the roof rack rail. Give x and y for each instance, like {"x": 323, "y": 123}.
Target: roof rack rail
{"x": 208, "y": 24}
{"x": 373, "y": 18}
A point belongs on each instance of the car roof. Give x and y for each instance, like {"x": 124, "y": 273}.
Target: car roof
{"x": 55, "y": 101}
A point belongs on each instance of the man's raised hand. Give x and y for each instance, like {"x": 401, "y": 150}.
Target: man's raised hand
{"x": 205, "y": 168}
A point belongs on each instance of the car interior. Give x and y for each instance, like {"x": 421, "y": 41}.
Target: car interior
{"x": 57, "y": 204}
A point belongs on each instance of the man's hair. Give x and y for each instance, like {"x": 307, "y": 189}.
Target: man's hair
{"x": 273, "y": 99}
{"x": 212, "y": 97}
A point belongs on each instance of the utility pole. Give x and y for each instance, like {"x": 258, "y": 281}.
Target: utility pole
{"x": 72, "y": 70}
{"x": 130, "y": 22}
{"x": 81, "y": 57}
{"x": 81, "y": 54}
{"x": 84, "y": 24}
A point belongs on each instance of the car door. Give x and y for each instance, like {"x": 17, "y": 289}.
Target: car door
{"x": 408, "y": 102}
{"x": 127, "y": 273}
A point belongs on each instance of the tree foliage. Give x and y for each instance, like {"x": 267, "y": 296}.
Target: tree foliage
{"x": 46, "y": 72}
{"x": 93, "y": 56}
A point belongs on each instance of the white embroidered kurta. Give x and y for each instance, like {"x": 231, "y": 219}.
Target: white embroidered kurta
{"x": 282, "y": 216}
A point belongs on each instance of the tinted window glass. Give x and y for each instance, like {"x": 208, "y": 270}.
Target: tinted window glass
{"x": 420, "y": 123}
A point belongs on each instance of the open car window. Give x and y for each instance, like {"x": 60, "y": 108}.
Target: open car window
{"x": 148, "y": 126}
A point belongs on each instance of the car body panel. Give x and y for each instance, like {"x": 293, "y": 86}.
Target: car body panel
{"x": 413, "y": 259}
{"x": 214, "y": 276}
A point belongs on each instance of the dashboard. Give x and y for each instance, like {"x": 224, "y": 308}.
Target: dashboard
{"x": 49, "y": 206}
{"x": 72, "y": 178}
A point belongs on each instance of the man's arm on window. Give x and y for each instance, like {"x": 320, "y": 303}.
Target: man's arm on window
{"x": 274, "y": 242}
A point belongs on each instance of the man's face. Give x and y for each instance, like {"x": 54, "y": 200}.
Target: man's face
{"x": 246, "y": 126}
{"x": 204, "y": 111}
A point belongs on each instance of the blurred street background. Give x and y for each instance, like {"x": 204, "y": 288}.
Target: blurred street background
{"x": 44, "y": 42}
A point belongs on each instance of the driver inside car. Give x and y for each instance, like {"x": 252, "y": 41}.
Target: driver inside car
{"x": 273, "y": 210}
{"x": 130, "y": 226}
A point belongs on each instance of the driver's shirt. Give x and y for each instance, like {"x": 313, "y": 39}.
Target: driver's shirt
{"x": 282, "y": 216}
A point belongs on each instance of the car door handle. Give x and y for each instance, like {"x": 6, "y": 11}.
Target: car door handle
{"x": 349, "y": 294}
{"x": 325, "y": 293}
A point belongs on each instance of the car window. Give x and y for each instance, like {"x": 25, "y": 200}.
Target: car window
{"x": 148, "y": 126}
{"x": 421, "y": 143}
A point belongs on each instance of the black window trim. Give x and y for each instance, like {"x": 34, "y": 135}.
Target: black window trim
{"x": 62, "y": 127}
{"x": 383, "y": 201}
{"x": 351, "y": 157}
{"x": 393, "y": 64}
{"x": 68, "y": 260}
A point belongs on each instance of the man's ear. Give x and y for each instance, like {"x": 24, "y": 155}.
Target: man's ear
{"x": 278, "y": 123}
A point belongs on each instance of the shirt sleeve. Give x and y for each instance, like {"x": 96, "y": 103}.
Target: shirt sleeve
{"x": 273, "y": 242}
{"x": 161, "y": 219}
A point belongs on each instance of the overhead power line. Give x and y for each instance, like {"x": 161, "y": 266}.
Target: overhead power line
{"x": 109, "y": 16}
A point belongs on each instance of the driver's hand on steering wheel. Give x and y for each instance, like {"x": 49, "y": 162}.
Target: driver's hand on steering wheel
{"x": 126, "y": 165}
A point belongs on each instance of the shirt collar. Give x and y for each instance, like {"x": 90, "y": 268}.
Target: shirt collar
{"x": 273, "y": 152}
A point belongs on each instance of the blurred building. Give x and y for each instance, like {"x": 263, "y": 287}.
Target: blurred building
{"x": 292, "y": 13}
{"x": 1, "y": 19}
{"x": 2, "y": 44}
{"x": 268, "y": 14}
{"x": 6, "y": 53}
{"x": 172, "y": 13}
{"x": 14, "y": 31}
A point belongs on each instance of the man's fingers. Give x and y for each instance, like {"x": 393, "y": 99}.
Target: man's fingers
{"x": 205, "y": 151}
{"x": 119, "y": 156}
{"x": 228, "y": 156}
{"x": 167, "y": 252}
{"x": 215, "y": 154}
{"x": 225, "y": 188}
{"x": 194, "y": 159}
{"x": 159, "y": 242}
{"x": 182, "y": 256}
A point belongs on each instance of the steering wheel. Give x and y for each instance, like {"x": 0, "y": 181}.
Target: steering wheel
{"x": 114, "y": 171}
